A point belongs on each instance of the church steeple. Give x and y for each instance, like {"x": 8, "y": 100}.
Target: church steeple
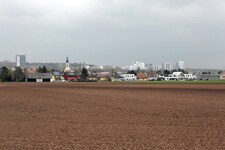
{"x": 67, "y": 69}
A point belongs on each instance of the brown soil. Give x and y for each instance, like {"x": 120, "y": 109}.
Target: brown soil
{"x": 111, "y": 116}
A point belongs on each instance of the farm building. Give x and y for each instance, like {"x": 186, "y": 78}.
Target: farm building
{"x": 39, "y": 77}
{"x": 208, "y": 77}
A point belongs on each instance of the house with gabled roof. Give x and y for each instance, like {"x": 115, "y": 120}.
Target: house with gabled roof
{"x": 104, "y": 76}
{"x": 142, "y": 76}
{"x": 116, "y": 77}
{"x": 152, "y": 76}
{"x": 57, "y": 76}
{"x": 177, "y": 76}
{"x": 70, "y": 76}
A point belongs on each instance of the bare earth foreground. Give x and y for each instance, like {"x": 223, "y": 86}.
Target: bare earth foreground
{"x": 111, "y": 116}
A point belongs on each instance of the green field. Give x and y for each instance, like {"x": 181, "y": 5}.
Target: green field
{"x": 177, "y": 82}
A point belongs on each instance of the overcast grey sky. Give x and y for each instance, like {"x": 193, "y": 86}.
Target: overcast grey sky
{"x": 114, "y": 32}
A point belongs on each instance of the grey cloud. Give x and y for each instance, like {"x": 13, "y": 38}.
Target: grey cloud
{"x": 114, "y": 32}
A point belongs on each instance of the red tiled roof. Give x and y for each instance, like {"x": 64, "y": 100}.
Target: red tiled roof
{"x": 142, "y": 76}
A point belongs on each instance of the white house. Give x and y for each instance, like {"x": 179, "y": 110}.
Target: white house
{"x": 190, "y": 77}
{"x": 222, "y": 76}
{"x": 177, "y": 75}
{"x": 181, "y": 76}
{"x": 128, "y": 77}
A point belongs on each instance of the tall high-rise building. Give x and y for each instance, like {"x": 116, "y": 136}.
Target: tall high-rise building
{"x": 139, "y": 65}
{"x": 157, "y": 68}
{"x": 167, "y": 66}
{"x": 180, "y": 65}
{"x": 20, "y": 60}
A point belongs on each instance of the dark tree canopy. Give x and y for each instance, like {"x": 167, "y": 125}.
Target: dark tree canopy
{"x": 159, "y": 72}
{"x": 18, "y": 75}
{"x": 42, "y": 70}
{"x": 174, "y": 70}
{"x": 84, "y": 74}
{"x": 166, "y": 72}
{"x": 5, "y": 75}
{"x": 182, "y": 70}
{"x": 132, "y": 72}
{"x": 220, "y": 72}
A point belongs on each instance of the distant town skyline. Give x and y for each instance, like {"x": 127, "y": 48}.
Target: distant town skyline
{"x": 161, "y": 65}
{"x": 115, "y": 32}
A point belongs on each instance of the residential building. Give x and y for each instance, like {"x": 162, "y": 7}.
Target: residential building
{"x": 139, "y": 65}
{"x": 176, "y": 76}
{"x": 128, "y": 77}
{"x": 157, "y": 68}
{"x": 116, "y": 76}
{"x": 190, "y": 76}
{"x": 70, "y": 76}
{"x": 20, "y": 60}
{"x": 142, "y": 76}
{"x": 57, "y": 76}
{"x": 103, "y": 76}
{"x": 152, "y": 76}
{"x": 167, "y": 66}
{"x": 222, "y": 76}
{"x": 180, "y": 65}
{"x": 92, "y": 77}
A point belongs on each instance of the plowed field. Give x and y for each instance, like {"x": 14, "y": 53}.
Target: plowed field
{"x": 111, "y": 116}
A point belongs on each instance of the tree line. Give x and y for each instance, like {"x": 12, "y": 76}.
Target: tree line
{"x": 19, "y": 75}
{"x": 15, "y": 75}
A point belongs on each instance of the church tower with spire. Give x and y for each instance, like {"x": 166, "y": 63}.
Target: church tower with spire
{"x": 67, "y": 69}
{"x": 69, "y": 75}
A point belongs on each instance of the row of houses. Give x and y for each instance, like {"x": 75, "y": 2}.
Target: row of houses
{"x": 70, "y": 75}
{"x": 182, "y": 76}
{"x": 58, "y": 76}
{"x": 55, "y": 76}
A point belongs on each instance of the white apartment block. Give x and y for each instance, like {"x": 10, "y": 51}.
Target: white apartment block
{"x": 157, "y": 68}
{"x": 139, "y": 65}
{"x": 20, "y": 60}
{"x": 180, "y": 65}
{"x": 167, "y": 66}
